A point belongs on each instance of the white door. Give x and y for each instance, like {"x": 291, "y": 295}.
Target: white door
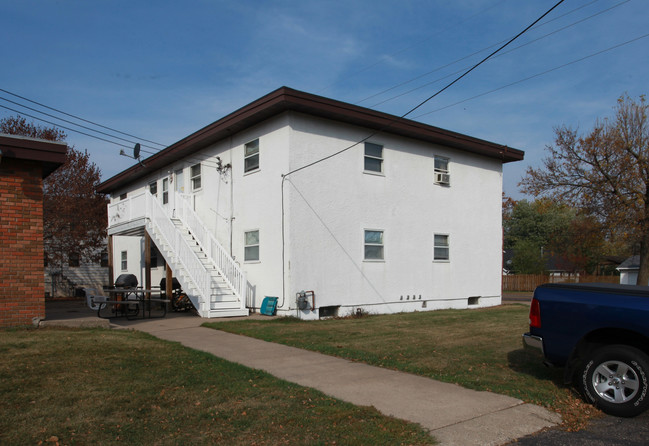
{"x": 178, "y": 187}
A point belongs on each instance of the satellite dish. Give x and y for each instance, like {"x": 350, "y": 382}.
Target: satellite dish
{"x": 136, "y": 151}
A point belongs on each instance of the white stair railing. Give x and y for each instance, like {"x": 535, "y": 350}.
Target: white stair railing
{"x": 193, "y": 267}
{"x": 222, "y": 261}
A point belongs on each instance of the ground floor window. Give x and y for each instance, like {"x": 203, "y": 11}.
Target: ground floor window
{"x": 441, "y": 248}
{"x": 374, "y": 245}
{"x": 124, "y": 261}
{"x": 251, "y": 250}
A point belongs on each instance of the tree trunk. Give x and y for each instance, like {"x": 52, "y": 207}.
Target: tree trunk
{"x": 643, "y": 270}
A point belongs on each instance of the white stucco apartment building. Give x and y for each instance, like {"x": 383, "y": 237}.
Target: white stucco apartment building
{"x": 295, "y": 192}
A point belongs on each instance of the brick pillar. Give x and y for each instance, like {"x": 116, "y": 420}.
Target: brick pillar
{"x": 22, "y": 283}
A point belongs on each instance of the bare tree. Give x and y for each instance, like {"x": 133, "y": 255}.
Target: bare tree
{"x": 604, "y": 173}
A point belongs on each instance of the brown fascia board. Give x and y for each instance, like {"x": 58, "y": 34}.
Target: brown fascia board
{"x": 51, "y": 154}
{"x": 287, "y": 99}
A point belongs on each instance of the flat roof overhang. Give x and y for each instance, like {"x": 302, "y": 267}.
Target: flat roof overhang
{"x": 286, "y": 99}
{"x": 50, "y": 154}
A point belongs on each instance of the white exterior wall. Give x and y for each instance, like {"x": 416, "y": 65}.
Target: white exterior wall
{"x": 134, "y": 247}
{"x": 328, "y": 207}
{"x": 333, "y": 202}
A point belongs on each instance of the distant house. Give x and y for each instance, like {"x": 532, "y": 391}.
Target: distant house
{"x": 71, "y": 278}
{"x": 629, "y": 270}
{"x": 400, "y": 216}
{"x": 24, "y": 163}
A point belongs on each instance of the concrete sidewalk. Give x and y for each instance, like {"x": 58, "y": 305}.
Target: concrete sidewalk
{"x": 454, "y": 415}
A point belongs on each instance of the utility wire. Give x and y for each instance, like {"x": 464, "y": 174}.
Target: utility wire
{"x": 79, "y": 118}
{"x": 380, "y": 61}
{"x": 499, "y": 55}
{"x": 537, "y": 75}
{"x": 193, "y": 159}
{"x": 427, "y": 99}
{"x": 63, "y": 127}
{"x": 379, "y": 131}
{"x": 74, "y": 123}
{"x": 469, "y": 56}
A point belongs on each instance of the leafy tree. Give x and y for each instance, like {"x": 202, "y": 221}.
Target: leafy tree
{"x": 543, "y": 229}
{"x": 74, "y": 215}
{"x": 604, "y": 174}
{"x": 530, "y": 230}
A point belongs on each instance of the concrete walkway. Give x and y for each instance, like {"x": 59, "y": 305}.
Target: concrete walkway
{"x": 454, "y": 415}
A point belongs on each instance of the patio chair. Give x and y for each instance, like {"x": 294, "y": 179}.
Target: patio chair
{"x": 93, "y": 297}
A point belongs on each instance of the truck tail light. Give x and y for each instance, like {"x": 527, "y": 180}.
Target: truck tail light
{"x": 535, "y": 314}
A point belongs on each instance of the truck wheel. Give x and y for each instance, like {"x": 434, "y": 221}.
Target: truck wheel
{"x": 614, "y": 378}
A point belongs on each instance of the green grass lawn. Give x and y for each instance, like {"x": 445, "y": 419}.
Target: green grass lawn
{"x": 479, "y": 349}
{"x": 112, "y": 386}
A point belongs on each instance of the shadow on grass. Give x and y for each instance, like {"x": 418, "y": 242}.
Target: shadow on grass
{"x": 531, "y": 364}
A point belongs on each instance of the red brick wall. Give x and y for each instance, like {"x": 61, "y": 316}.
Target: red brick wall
{"x": 22, "y": 293}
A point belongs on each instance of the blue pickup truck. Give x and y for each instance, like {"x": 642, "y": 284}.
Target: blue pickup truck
{"x": 599, "y": 333}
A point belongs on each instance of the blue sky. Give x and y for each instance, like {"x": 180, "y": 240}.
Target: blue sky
{"x": 161, "y": 70}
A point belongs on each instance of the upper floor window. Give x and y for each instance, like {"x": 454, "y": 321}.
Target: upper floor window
{"x": 196, "y": 176}
{"x": 153, "y": 188}
{"x": 442, "y": 175}
{"x": 103, "y": 260}
{"x": 441, "y": 248}
{"x": 251, "y": 156}
{"x": 123, "y": 196}
{"x": 251, "y": 249}
{"x": 373, "y": 158}
{"x": 373, "y": 245}
{"x": 165, "y": 190}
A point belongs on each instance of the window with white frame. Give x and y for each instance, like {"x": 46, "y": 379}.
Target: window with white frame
{"x": 373, "y": 161}
{"x": 251, "y": 156}
{"x": 124, "y": 262}
{"x": 373, "y": 245}
{"x": 165, "y": 190}
{"x": 442, "y": 174}
{"x": 153, "y": 188}
{"x": 251, "y": 248}
{"x": 195, "y": 173}
{"x": 441, "y": 247}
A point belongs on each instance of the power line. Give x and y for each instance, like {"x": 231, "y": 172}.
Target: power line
{"x": 63, "y": 127}
{"x": 499, "y": 55}
{"x": 427, "y": 99}
{"x": 74, "y": 123}
{"x": 380, "y": 61}
{"x": 379, "y": 131}
{"x": 79, "y": 118}
{"x": 469, "y": 56}
{"x": 193, "y": 159}
{"x": 537, "y": 75}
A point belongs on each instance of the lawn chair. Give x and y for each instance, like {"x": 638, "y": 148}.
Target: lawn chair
{"x": 94, "y": 297}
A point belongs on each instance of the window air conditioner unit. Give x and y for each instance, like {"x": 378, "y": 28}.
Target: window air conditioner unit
{"x": 443, "y": 178}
